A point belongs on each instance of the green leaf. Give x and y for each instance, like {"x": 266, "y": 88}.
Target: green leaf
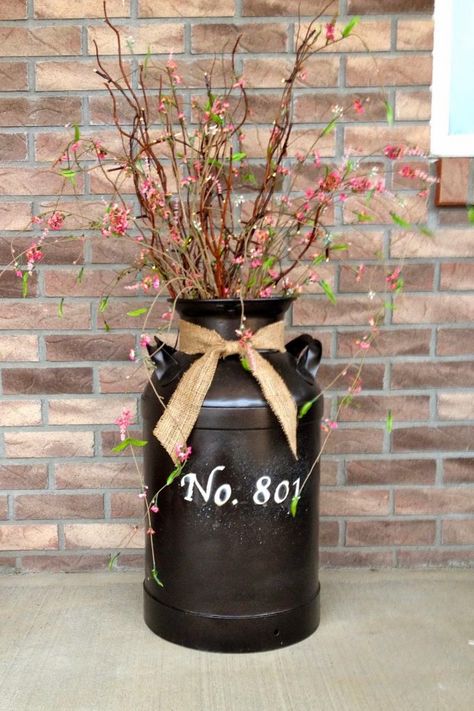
{"x": 306, "y": 407}
{"x": 174, "y": 474}
{"x": 294, "y": 505}
{"x": 122, "y": 445}
{"x": 389, "y": 422}
{"x": 470, "y": 214}
{"x": 330, "y": 126}
{"x": 400, "y": 221}
{"x": 239, "y": 156}
{"x": 389, "y": 112}
{"x": 339, "y": 246}
{"x": 77, "y": 133}
{"x": 137, "y": 312}
{"x": 80, "y": 275}
{"x": 60, "y": 308}
{"x": 103, "y": 304}
{"x": 138, "y": 442}
{"x": 113, "y": 559}
{"x": 364, "y": 217}
{"x": 69, "y": 174}
{"x": 269, "y": 262}
{"x": 245, "y": 364}
{"x": 350, "y": 26}
{"x": 327, "y": 290}
{"x": 426, "y": 231}
{"x": 106, "y": 327}
{"x": 24, "y": 284}
{"x": 250, "y": 178}
{"x": 154, "y": 575}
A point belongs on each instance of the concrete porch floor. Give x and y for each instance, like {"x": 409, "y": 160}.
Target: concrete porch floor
{"x": 388, "y": 640}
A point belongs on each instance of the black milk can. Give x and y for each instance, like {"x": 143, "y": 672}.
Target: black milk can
{"x": 239, "y": 571}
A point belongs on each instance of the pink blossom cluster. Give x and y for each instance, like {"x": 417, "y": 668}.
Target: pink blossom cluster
{"x": 183, "y": 452}
{"x": 115, "y": 221}
{"x": 124, "y": 420}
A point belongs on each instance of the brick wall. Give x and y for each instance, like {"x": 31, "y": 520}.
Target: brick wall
{"x": 405, "y": 498}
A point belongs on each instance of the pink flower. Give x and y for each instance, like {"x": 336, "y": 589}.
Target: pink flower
{"x": 328, "y": 425}
{"x": 115, "y": 221}
{"x": 56, "y": 221}
{"x": 150, "y": 531}
{"x": 330, "y": 32}
{"x": 183, "y": 452}
{"x": 124, "y": 421}
{"x": 144, "y": 340}
{"x": 265, "y": 293}
{"x": 154, "y": 508}
{"x": 358, "y": 106}
{"x": 132, "y": 354}
{"x": 363, "y": 344}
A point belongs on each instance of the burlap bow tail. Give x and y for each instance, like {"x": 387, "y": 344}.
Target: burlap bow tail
{"x": 177, "y": 421}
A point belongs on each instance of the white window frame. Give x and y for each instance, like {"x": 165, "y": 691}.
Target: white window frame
{"x": 442, "y": 142}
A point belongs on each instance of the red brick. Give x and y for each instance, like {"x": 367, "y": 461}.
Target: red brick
{"x": 113, "y": 251}
{"x": 3, "y": 508}
{"x": 388, "y": 71}
{"x": 58, "y": 506}
{"x": 155, "y": 37}
{"x": 415, "y": 34}
{"x": 412, "y": 105}
{"x": 432, "y": 558}
{"x": 460, "y": 471}
{"x": 354, "y": 502}
{"x": 84, "y": 411}
{"x": 457, "y": 276}
{"x": 31, "y": 537}
{"x": 456, "y": 406}
{"x": 391, "y": 471}
{"x": 320, "y": 311}
{"x": 423, "y": 374}
{"x": 17, "y": 413}
{"x": 434, "y": 501}
{"x": 21, "y": 476}
{"x": 374, "y": 408}
{"x": 387, "y": 343}
{"x": 328, "y": 472}
{"x": 18, "y": 348}
{"x": 319, "y": 107}
{"x": 270, "y": 73}
{"x": 51, "y": 443}
{"x": 331, "y": 376}
{"x": 29, "y": 381}
{"x": 26, "y": 316}
{"x": 459, "y": 532}
{"x": 328, "y": 533}
{"x": 102, "y": 535}
{"x": 111, "y": 439}
{"x": 262, "y": 8}
{"x": 13, "y": 146}
{"x": 363, "y": 7}
{"x": 455, "y": 341}
{"x": 355, "y": 559}
{"x": 127, "y": 505}
{"x": 51, "y": 111}
{"x": 61, "y": 9}
{"x": 448, "y": 308}
{"x": 15, "y": 216}
{"x": 11, "y": 286}
{"x": 13, "y": 10}
{"x": 94, "y": 282}
{"x": 390, "y": 533}
{"x": 28, "y": 181}
{"x": 61, "y": 563}
{"x": 104, "y": 347}
{"x": 193, "y": 8}
{"x": 432, "y": 439}
{"x": 355, "y": 441}
{"x": 72, "y": 75}
{"x": 449, "y": 216}
{"x": 443, "y": 243}
{"x": 40, "y": 41}
{"x": 417, "y": 277}
{"x": 268, "y": 37}
{"x": 102, "y": 475}
{"x": 116, "y": 313}
{"x": 13, "y": 76}
{"x": 373, "y": 139}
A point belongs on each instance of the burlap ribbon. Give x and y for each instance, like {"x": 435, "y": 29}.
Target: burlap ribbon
{"x": 177, "y": 421}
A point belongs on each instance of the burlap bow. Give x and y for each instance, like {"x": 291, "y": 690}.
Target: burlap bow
{"x": 177, "y": 421}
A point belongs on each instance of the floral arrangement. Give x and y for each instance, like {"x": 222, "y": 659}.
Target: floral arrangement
{"x": 209, "y": 221}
